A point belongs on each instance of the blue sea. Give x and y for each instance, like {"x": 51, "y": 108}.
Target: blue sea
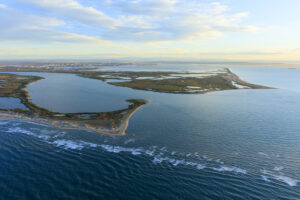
{"x": 239, "y": 144}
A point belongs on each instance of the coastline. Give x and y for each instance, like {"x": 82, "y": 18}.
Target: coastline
{"x": 75, "y": 124}
{"x": 114, "y": 122}
{"x": 125, "y": 122}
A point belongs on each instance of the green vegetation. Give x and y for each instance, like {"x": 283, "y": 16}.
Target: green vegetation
{"x": 116, "y": 122}
{"x": 175, "y": 82}
{"x": 13, "y": 85}
{"x": 179, "y": 84}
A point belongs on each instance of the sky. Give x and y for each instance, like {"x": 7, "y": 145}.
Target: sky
{"x": 236, "y": 30}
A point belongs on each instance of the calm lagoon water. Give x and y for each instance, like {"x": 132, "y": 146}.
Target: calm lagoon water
{"x": 223, "y": 145}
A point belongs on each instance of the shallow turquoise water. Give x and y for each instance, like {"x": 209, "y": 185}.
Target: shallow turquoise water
{"x": 223, "y": 145}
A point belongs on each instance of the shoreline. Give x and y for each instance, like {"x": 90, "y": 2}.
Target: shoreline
{"x": 73, "y": 124}
{"x": 125, "y": 123}
{"x": 114, "y": 122}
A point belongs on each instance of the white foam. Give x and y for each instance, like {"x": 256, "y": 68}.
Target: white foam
{"x": 118, "y": 149}
{"x": 191, "y": 164}
{"x": 175, "y": 162}
{"x": 278, "y": 168}
{"x": 178, "y": 162}
{"x": 129, "y": 141}
{"x": 263, "y": 154}
{"x": 230, "y": 169}
{"x": 159, "y": 155}
{"x": 19, "y": 130}
{"x": 4, "y": 122}
{"x": 199, "y": 166}
{"x": 35, "y": 123}
{"x": 280, "y": 177}
{"x": 69, "y": 144}
{"x": 219, "y": 161}
{"x": 44, "y": 136}
{"x": 149, "y": 153}
{"x": 164, "y": 149}
{"x": 159, "y": 159}
{"x": 290, "y": 181}
{"x": 265, "y": 178}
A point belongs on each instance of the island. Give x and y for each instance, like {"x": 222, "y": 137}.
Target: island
{"x": 114, "y": 122}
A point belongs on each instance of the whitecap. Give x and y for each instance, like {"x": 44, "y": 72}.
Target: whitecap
{"x": 219, "y": 161}
{"x": 19, "y": 130}
{"x": 159, "y": 159}
{"x": 230, "y": 169}
{"x": 163, "y": 149}
{"x": 191, "y": 164}
{"x": 118, "y": 149}
{"x": 199, "y": 166}
{"x": 4, "y": 122}
{"x": 278, "y": 168}
{"x": 69, "y": 144}
{"x": 35, "y": 123}
{"x": 263, "y": 154}
{"x": 265, "y": 178}
{"x": 178, "y": 162}
{"x": 290, "y": 181}
{"x": 129, "y": 141}
{"x": 149, "y": 153}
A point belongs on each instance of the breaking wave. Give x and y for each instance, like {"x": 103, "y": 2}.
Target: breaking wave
{"x": 230, "y": 169}
{"x": 279, "y": 177}
{"x": 158, "y": 155}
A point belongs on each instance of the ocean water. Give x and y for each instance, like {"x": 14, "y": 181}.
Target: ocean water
{"x": 10, "y": 103}
{"x": 240, "y": 144}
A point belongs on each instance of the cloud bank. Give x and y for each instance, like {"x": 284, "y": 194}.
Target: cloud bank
{"x": 117, "y": 20}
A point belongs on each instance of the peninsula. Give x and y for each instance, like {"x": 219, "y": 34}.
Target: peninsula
{"x": 175, "y": 82}
{"x": 114, "y": 122}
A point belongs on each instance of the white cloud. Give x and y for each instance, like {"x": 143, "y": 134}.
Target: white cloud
{"x": 73, "y": 10}
{"x": 171, "y": 20}
{"x": 2, "y": 6}
{"x": 137, "y": 20}
{"x": 143, "y": 7}
{"x": 19, "y": 26}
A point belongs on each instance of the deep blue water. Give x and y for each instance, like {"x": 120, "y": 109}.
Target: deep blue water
{"x": 242, "y": 144}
